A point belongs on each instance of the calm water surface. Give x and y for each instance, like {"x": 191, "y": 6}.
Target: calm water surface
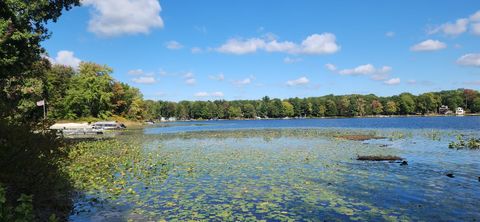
{"x": 279, "y": 170}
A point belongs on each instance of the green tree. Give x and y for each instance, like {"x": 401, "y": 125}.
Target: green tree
{"x": 331, "y": 108}
{"x": 91, "y": 92}
{"x": 377, "y": 107}
{"x": 476, "y": 105}
{"x": 287, "y": 109}
{"x": 249, "y": 111}
{"x": 234, "y": 112}
{"x": 406, "y": 103}
{"x": 391, "y": 108}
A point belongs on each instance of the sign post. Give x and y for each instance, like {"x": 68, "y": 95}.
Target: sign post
{"x": 42, "y": 103}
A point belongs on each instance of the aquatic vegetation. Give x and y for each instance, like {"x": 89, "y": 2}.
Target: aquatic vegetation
{"x": 462, "y": 143}
{"x": 359, "y": 137}
{"x": 433, "y": 135}
{"x": 379, "y": 158}
{"x": 114, "y": 169}
{"x": 254, "y": 175}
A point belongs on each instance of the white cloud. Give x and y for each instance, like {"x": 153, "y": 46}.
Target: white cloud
{"x": 206, "y": 94}
{"x": 173, "y": 45}
{"x": 190, "y": 81}
{"x": 289, "y": 60}
{"x": 390, "y": 34}
{"x": 275, "y": 46}
{"x": 367, "y": 69}
{"x": 243, "y": 82}
{"x": 144, "y": 80}
{"x": 394, "y": 81}
{"x": 297, "y": 82}
{"x": 475, "y": 17}
{"x": 136, "y": 72}
{"x": 331, "y": 67}
{"x": 239, "y": 47}
{"x": 189, "y": 78}
{"x": 475, "y": 28}
{"x": 66, "y": 58}
{"x": 429, "y": 45}
{"x": 219, "y": 77}
{"x": 118, "y": 17}
{"x": 359, "y": 70}
{"x": 457, "y": 28}
{"x": 314, "y": 44}
{"x": 196, "y": 50}
{"x": 376, "y": 74}
{"x": 320, "y": 44}
{"x": 188, "y": 75}
{"x": 471, "y": 59}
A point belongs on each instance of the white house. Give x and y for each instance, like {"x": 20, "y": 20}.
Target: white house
{"x": 459, "y": 111}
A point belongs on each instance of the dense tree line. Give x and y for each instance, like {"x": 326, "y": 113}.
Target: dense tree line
{"x": 325, "y": 106}
{"x": 90, "y": 91}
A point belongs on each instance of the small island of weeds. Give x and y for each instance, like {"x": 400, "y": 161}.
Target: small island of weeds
{"x": 465, "y": 143}
{"x": 379, "y": 158}
{"x": 359, "y": 137}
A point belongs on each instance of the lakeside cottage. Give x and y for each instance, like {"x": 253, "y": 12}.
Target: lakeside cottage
{"x": 459, "y": 111}
{"x": 444, "y": 110}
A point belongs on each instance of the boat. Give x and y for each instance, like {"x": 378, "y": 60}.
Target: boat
{"x": 108, "y": 125}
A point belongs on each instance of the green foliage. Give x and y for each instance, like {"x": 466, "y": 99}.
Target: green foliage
{"x": 31, "y": 164}
{"x": 462, "y": 143}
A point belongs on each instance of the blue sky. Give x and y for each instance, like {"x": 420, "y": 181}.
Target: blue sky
{"x": 204, "y": 50}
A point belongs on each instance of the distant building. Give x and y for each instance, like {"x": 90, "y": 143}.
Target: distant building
{"x": 459, "y": 111}
{"x": 444, "y": 110}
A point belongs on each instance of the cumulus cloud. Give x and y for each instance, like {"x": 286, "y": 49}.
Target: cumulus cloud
{"x": 429, "y": 45}
{"x": 66, "y": 58}
{"x": 394, "y": 81}
{"x": 298, "y": 82}
{"x": 243, "y": 82}
{"x": 239, "y": 46}
{"x": 206, "y": 94}
{"x": 331, "y": 67}
{"x": 476, "y": 28}
{"x": 118, "y": 17}
{"x": 320, "y": 44}
{"x": 359, "y": 70}
{"x": 173, "y": 45}
{"x": 289, "y": 60}
{"x": 219, "y": 77}
{"x": 189, "y": 78}
{"x": 456, "y": 28}
{"x": 144, "y": 80}
{"x": 377, "y": 74}
{"x": 136, "y": 72}
{"x": 459, "y": 26}
{"x": 475, "y": 17}
{"x": 471, "y": 59}
{"x": 314, "y": 44}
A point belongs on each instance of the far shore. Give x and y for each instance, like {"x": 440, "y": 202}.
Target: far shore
{"x": 140, "y": 123}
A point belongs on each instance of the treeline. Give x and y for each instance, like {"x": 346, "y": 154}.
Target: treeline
{"x": 90, "y": 91}
{"x": 325, "y": 106}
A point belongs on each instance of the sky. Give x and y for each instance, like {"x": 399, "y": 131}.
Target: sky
{"x": 206, "y": 50}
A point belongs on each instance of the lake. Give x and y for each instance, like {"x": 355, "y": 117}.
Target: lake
{"x": 301, "y": 170}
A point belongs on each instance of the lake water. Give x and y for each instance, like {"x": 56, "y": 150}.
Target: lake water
{"x": 450, "y": 122}
{"x": 280, "y": 170}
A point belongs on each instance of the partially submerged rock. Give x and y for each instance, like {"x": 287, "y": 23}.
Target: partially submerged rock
{"x": 379, "y": 158}
{"x": 359, "y": 137}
